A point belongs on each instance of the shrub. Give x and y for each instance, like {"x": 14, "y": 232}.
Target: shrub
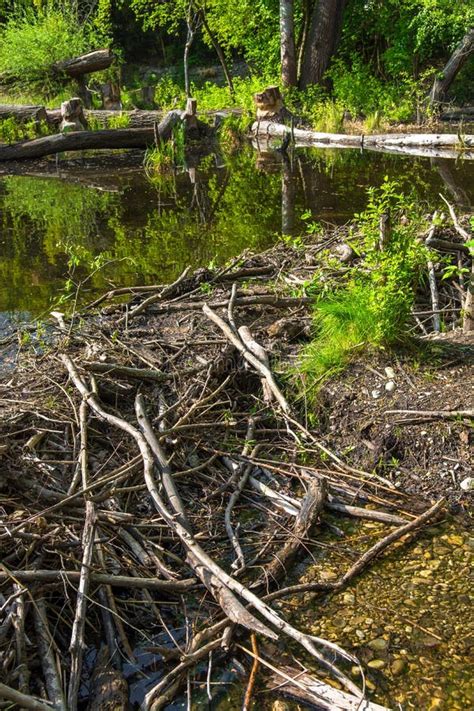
{"x": 32, "y": 41}
{"x": 373, "y": 307}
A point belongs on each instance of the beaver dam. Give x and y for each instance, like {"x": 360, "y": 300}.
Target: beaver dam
{"x": 191, "y": 517}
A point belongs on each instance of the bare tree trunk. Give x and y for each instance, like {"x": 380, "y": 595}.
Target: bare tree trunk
{"x": 323, "y": 38}
{"x": 303, "y": 36}
{"x": 219, "y": 52}
{"x": 191, "y": 23}
{"x": 287, "y": 43}
{"x": 456, "y": 61}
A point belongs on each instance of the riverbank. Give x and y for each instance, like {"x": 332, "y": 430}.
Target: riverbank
{"x": 248, "y": 454}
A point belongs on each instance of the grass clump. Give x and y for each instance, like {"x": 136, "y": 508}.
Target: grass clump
{"x": 371, "y": 310}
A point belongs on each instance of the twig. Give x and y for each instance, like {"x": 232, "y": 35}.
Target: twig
{"x": 253, "y": 674}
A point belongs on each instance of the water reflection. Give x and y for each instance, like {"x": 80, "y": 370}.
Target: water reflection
{"x": 211, "y": 209}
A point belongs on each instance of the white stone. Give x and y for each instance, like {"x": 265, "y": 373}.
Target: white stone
{"x": 390, "y": 386}
{"x": 390, "y": 373}
{"x": 467, "y": 484}
{"x": 375, "y": 394}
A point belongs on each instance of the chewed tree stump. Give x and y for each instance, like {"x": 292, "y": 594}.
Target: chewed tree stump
{"x": 72, "y": 116}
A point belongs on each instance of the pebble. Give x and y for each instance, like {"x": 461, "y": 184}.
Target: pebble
{"x": 390, "y": 386}
{"x": 376, "y": 664}
{"x": 467, "y": 484}
{"x": 375, "y": 394}
{"x": 389, "y": 372}
{"x": 379, "y": 644}
{"x": 398, "y": 667}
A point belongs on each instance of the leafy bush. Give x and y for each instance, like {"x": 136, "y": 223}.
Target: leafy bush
{"x": 32, "y": 41}
{"x": 373, "y": 307}
{"x": 12, "y": 130}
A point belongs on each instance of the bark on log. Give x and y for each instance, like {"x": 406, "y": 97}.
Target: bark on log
{"x": 23, "y": 113}
{"x": 94, "y": 61}
{"x": 455, "y": 63}
{"x": 87, "y": 140}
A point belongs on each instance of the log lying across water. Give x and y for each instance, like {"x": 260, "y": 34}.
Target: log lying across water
{"x": 88, "y": 140}
{"x": 444, "y": 144}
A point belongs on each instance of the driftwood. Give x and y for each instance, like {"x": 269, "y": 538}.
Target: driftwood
{"x": 88, "y": 140}
{"x": 310, "y": 509}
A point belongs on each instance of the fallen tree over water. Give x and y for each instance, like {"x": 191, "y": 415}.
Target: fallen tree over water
{"x": 441, "y": 145}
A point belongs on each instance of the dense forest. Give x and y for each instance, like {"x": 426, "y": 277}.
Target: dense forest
{"x": 370, "y": 59}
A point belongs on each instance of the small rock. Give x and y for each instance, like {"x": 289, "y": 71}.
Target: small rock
{"x": 379, "y": 644}
{"x": 398, "y": 666}
{"x": 467, "y": 484}
{"x": 375, "y": 394}
{"x": 376, "y": 664}
{"x": 455, "y": 540}
{"x": 390, "y": 386}
{"x": 390, "y": 373}
{"x": 345, "y": 253}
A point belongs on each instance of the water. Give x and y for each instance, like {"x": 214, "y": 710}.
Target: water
{"x": 104, "y": 216}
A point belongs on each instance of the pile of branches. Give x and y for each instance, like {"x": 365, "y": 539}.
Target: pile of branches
{"x": 158, "y": 485}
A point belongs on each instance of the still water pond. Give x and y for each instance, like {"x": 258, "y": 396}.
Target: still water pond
{"x": 149, "y": 230}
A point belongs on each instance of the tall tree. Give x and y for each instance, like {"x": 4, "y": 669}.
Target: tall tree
{"x": 323, "y": 37}
{"x": 287, "y": 43}
{"x": 455, "y": 63}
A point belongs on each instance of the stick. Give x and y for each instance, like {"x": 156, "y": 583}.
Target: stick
{"x": 22, "y": 700}
{"x": 249, "y": 356}
{"x": 77, "y": 645}
{"x": 363, "y": 561}
{"x": 239, "y": 560}
{"x": 311, "y": 507}
{"x": 118, "y": 581}
{"x": 253, "y": 674}
{"x": 48, "y": 661}
{"x": 432, "y": 282}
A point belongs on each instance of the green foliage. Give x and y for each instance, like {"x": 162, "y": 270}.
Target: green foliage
{"x": 33, "y": 40}
{"x": 119, "y": 120}
{"x": 359, "y": 91}
{"x": 372, "y": 308}
{"x": 328, "y": 117}
{"x": 249, "y": 26}
{"x": 12, "y": 130}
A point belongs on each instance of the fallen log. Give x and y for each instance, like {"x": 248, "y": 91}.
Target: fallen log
{"x": 23, "y": 113}
{"x": 94, "y": 61}
{"x": 89, "y": 140}
{"x": 303, "y": 136}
